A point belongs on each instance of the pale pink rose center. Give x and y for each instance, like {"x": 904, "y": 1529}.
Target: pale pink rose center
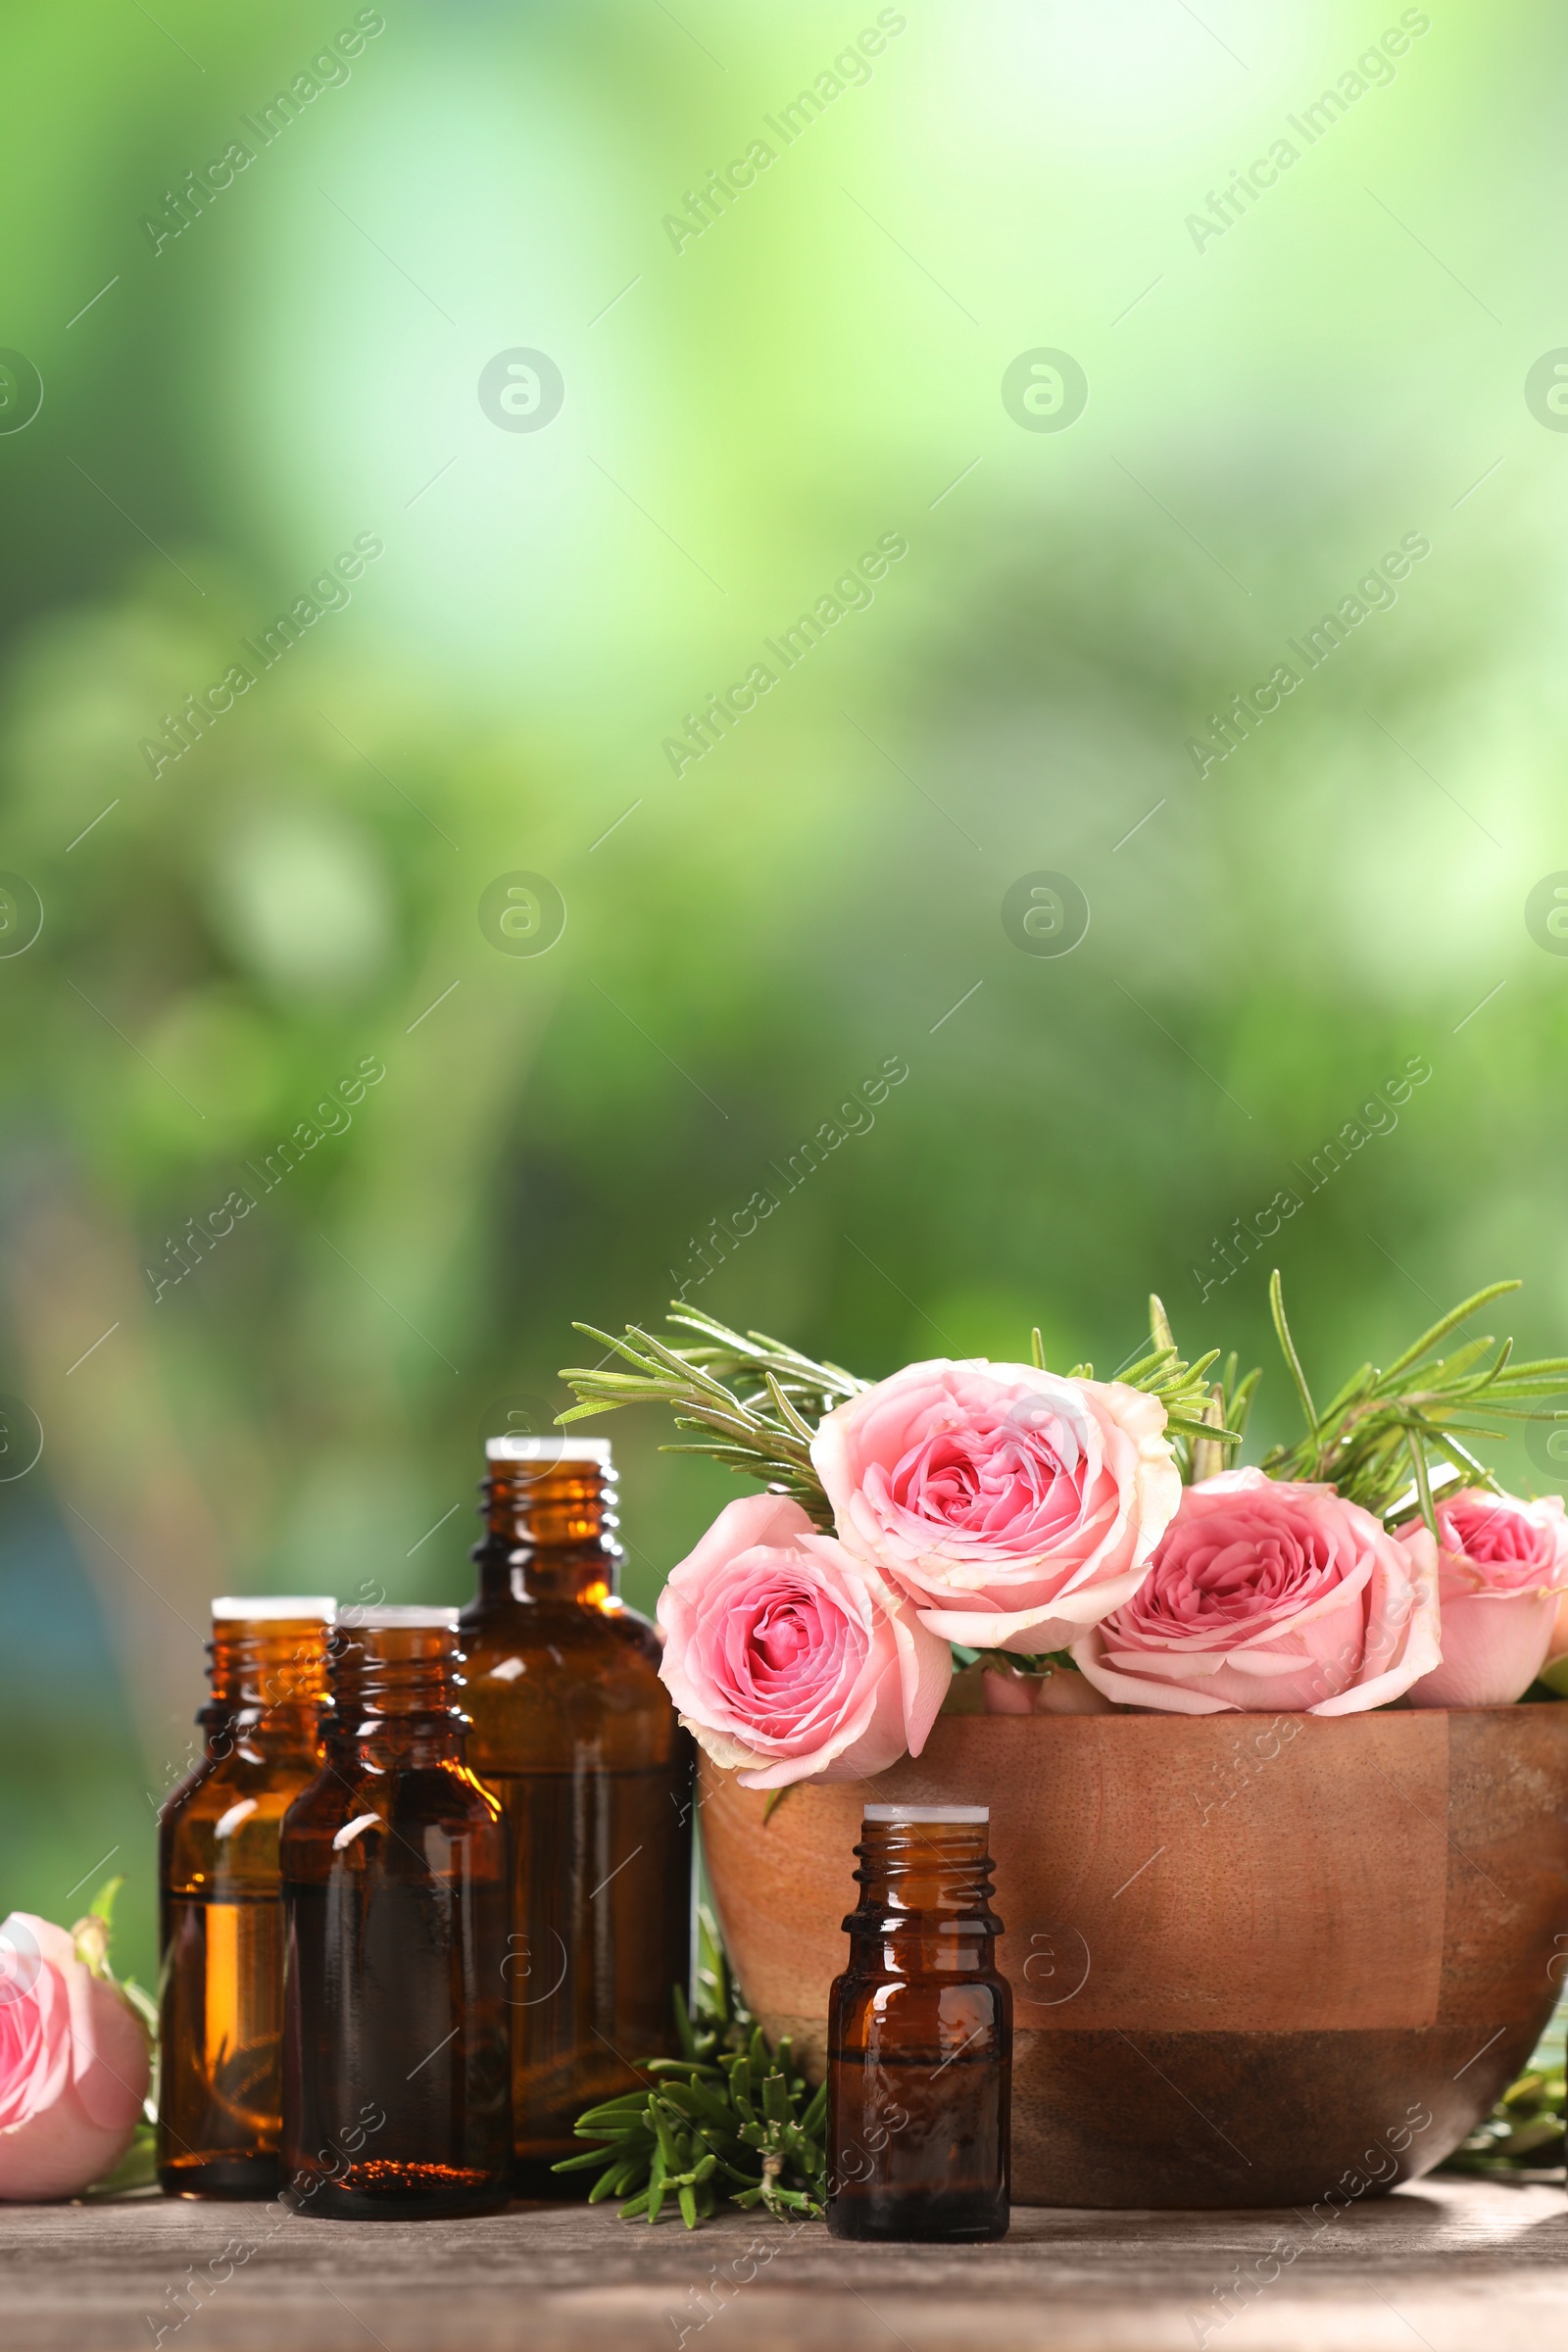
{"x": 785, "y": 1651}
{"x": 1209, "y": 1576}
{"x": 994, "y": 1479}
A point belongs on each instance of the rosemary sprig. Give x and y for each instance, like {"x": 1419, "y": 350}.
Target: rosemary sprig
{"x": 1206, "y": 1420}
{"x": 731, "y": 2119}
{"x": 1525, "y": 2128}
{"x": 744, "y": 1398}
{"x": 752, "y": 1403}
{"x": 1379, "y": 1437}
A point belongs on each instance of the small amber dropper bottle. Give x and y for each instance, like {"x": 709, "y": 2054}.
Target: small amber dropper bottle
{"x": 578, "y": 1737}
{"x": 395, "y": 2097}
{"x": 222, "y": 1991}
{"x": 921, "y": 2037}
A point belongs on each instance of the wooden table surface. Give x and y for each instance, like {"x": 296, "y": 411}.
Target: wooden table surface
{"x": 1457, "y": 2266}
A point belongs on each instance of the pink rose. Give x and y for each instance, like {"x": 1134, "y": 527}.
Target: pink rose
{"x": 1014, "y": 1506}
{"x": 785, "y": 1655}
{"x": 1554, "y": 1672}
{"x": 1269, "y": 1596}
{"x": 73, "y": 2065}
{"x": 1502, "y": 1568}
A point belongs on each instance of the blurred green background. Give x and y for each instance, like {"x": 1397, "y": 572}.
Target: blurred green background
{"x": 1273, "y": 405}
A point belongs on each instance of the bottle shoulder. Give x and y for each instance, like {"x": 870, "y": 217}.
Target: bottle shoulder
{"x": 351, "y": 1786}
{"x": 609, "y": 1627}
{"x": 352, "y": 1800}
{"x": 219, "y": 1836}
{"x": 552, "y": 1688}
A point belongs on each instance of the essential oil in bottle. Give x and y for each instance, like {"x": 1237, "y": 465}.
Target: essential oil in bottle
{"x": 221, "y": 2102}
{"x": 578, "y": 1737}
{"x": 920, "y": 2039}
{"x": 396, "y": 2100}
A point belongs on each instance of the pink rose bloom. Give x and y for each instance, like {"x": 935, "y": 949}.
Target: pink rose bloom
{"x": 1016, "y": 1508}
{"x": 1502, "y": 1568}
{"x": 1554, "y": 1672}
{"x": 73, "y": 2065}
{"x": 785, "y": 1655}
{"x": 1269, "y": 1596}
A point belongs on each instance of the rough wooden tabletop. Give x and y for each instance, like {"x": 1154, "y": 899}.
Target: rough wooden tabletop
{"x": 1455, "y": 2266}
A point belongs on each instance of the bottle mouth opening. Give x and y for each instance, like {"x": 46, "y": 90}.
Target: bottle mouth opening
{"x": 258, "y": 1608}
{"x": 920, "y": 1814}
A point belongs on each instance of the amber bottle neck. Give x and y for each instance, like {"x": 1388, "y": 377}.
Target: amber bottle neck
{"x": 925, "y": 1899}
{"x": 549, "y": 1532}
{"x": 267, "y": 1681}
{"x": 396, "y": 1695}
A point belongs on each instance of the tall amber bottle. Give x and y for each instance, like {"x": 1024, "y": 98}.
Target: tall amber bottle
{"x": 577, "y": 1735}
{"x": 221, "y": 1987}
{"x": 919, "y": 2036}
{"x": 396, "y": 2098}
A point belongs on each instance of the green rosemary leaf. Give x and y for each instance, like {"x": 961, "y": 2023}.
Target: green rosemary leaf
{"x": 787, "y": 1413}
{"x": 1358, "y": 1385}
{"x": 1182, "y": 1425}
{"x": 1276, "y": 1304}
{"x": 1439, "y": 1330}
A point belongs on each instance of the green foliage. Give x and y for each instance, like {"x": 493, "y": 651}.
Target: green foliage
{"x": 1380, "y": 1434}
{"x": 1195, "y": 1410}
{"x": 730, "y": 2120}
{"x": 755, "y": 1426}
{"x": 1525, "y": 2130}
{"x": 761, "y": 1424}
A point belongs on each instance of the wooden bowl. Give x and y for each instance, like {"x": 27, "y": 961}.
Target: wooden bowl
{"x": 1254, "y": 1960}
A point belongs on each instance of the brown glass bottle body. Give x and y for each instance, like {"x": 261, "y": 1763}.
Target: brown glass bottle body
{"x": 920, "y": 2042}
{"x": 396, "y": 2091}
{"x": 578, "y": 1737}
{"x": 220, "y": 1994}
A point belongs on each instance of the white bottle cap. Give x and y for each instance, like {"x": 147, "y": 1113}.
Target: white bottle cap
{"x": 548, "y": 1449}
{"x": 924, "y": 1813}
{"x": 387, "y": 1618}
{"x": 259, "y": 1605}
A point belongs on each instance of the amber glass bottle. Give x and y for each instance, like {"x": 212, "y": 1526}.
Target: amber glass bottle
{"x": 577, "y": 1735}
{"x": 396, "y": 2098}
{"x": 222, "y": 1993}
{"x": 921, "y": 2037}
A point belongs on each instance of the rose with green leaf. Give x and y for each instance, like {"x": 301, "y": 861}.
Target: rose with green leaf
{"x": 74, "y": 2056}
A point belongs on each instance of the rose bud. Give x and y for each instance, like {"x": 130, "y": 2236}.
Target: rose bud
{"x": 1016, "y": 1507}
{"x": 786, "y": 1656}
{"x": 1502, "y": 1571}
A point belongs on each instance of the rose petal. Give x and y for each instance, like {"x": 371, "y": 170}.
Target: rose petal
{"x": 1269, "y": 1594}
{"x": 1014, "y": 1506}
{"x": 789, "y": 1658}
